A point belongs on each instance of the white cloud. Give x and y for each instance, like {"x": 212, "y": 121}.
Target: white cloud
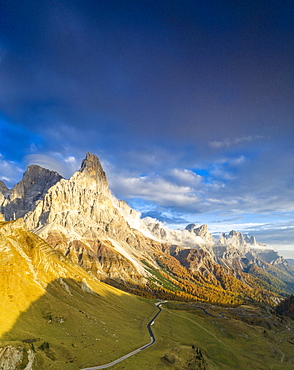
{"x": 237, "y": 161}
{"x": 153, "y": 188}
{"x": 244, "y": 227}
{"x": 231, "y": 142}
{"x": 185, "y": 177}
{"x": 70, "y": 159}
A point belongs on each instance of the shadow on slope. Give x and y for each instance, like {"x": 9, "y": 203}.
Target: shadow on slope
{"x": 71, "y": 326}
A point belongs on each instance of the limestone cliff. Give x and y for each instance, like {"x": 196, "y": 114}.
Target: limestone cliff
{"x": 26, "y": 194}
{"x": 4, "y": 191}
{"x": 201, "y": 231}
{"x": 77, "y": 217}
{"x": 3, "y": 188}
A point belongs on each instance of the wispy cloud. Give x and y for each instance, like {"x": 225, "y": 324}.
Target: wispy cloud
{"x": 155, "y": 189}
{"x": 232, "y": 142}
{"x": 185, "y": 177}
{"x": 64, "y": 165}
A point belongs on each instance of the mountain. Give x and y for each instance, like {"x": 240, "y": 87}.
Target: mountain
{"x": 233, "y": 250}
{"x": 201, "y": 231}
{"x": 243, "y": 252}
{"x": 57, "y": 312}
{"x": 81, "y": 219}
{"x": 78, "y": 218}
{"x": 25, "y": 195}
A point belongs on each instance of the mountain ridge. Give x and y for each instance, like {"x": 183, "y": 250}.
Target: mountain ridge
{"x": 82, "y": 219}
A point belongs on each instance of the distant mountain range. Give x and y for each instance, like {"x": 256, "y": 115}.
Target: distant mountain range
{"x": 81, "y": 219}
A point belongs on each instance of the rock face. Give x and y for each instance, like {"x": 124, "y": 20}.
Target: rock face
{"x": 3, "y": 188}
{"x": 201, "y": 231}
{"x": 13, "y": 357}
{"x": 244, "y": 253}
{"x": 236, "y": 245}
{"x": 4, "y": 191}
{"x": 191, "y": 237}
{"x": 78, "y": 217}
{"x": 91, "y": 175}
{"x": 25, "y": 195}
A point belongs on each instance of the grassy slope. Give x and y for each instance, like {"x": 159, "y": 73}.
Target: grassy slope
{"x": 83, "y": 329}
{"x": 77, "y": 320}
{"x": 120, "y": 326}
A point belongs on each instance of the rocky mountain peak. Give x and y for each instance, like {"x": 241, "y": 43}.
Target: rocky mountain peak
{"x": 91, "y": 174}
{"x": 233, "y": 238}
{"x": 91, "y": 164}
{"x": 24, "y": 196}
{"x": 250, "y": 239}
{"x": 235, "y": 234}
{"x": 238, "y": 239}
{"x": 35, "y": 176}
{"x": 201, "y": 231}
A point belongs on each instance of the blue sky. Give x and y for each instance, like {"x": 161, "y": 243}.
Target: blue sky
{"x": 188, "y": 105}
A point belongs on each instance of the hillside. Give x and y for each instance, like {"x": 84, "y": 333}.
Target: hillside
{"x": 54, "y": 314}
{"x": 286, "y": 307}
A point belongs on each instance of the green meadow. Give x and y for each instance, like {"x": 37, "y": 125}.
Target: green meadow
{"x": 225, "y": 342}
{"x": 83, "y": 329}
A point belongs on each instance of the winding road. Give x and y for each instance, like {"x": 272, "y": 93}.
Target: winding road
{"x": 152, "y": 341}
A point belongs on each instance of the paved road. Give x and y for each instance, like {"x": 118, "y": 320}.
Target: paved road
{"x": 152, "y": 341}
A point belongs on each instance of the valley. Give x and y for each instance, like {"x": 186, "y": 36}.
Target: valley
{"x": 187, "y": 335}
{"x": 224, "y": 342}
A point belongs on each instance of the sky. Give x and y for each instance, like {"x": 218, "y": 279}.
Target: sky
{"x": 188, "y": 105}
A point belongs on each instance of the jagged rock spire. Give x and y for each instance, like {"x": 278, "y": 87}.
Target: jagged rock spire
{"x": 92, "y": 167}
{"x": 201, "y": 231}
{"x": 91, "y": 174}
